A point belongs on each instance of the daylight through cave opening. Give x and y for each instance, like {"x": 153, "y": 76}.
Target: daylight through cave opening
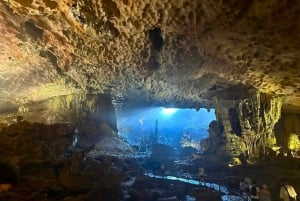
{"x": 174, "y": 127}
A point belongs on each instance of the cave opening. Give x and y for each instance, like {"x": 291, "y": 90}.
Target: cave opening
{"x": 173, "y": 127}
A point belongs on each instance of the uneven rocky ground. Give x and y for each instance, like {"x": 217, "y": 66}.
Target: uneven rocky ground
{"x": 50, "y": 168}
{"x": 63, "y": 182}
{"x": 270, "y": 171}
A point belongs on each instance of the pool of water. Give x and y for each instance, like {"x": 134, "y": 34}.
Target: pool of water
{"x": 229, "y": 195}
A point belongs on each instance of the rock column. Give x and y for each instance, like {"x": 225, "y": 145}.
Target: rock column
{"x": 248, "y": 123}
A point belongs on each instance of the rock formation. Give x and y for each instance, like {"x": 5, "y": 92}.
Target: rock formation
{"x": 69, "y": 65}
{"x": 175, "y": 52}
{"x": 245, "y": 123}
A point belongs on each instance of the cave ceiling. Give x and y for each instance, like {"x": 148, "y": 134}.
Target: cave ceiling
{"x": 150, "y": 52}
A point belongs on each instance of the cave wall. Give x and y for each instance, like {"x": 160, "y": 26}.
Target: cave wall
{"x": 93, "y": 115}
{"x": 23, "y": 142}
{"x": 74, "y": 108}
{"x": 245, "y": 125}
{"x": 288, "y": 124}
{"x": 45, "y": 158}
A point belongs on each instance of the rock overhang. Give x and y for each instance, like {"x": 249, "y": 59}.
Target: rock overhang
{"x": 178, "y": 53}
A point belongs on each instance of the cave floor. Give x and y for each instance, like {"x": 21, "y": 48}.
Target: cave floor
{"x": 270, "y": 171}
{"x": 38, "y": 182}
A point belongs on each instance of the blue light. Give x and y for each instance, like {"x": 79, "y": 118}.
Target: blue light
{"x": 175, "y": 126}
{"x": 169, "y": 111}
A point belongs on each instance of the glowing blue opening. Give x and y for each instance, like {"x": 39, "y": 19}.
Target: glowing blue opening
{"x": 171, "y": 126}
{"x": 169, "y": 111}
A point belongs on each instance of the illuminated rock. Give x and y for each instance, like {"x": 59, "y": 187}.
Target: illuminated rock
{"x": 139, "y": 53}
{"x": 147, "y": 52}
{"x": 245, "y": 125}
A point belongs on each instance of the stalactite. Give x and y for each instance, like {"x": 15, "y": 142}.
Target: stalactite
{"x": 256, "y": 115}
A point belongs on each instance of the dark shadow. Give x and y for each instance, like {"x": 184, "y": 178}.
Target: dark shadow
{"x": 234, "y": 121}
{"x": 156, "y": 39}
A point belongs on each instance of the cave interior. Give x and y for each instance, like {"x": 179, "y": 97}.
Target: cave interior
{"x": 146, "y": 100}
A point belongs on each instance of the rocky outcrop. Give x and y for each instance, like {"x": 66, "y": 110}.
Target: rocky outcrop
{"x": 93, "y": 115}
{"x": 245, "y": 123}
{"x": 42, "y": 162}
{"x": 91, "y": 178}
{"x": 78, "y": 109}
{"x": 25, "y": 143}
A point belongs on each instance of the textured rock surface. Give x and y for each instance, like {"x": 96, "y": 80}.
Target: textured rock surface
{"x": 245, "y": 126}
{"x": 175, "y": 52}
{"x": 42, "y": 163}
{"x": 25, "y": 143}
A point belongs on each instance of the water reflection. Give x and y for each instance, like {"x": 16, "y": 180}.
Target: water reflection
{"x": 229, "y": 196}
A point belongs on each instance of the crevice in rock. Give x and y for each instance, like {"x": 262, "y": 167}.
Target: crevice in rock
{"x": 111, "y": 8}
{"x": 33, "y": 31}
{"x": 52, "y": 58}
{"x": 51, "y": 4}
{"x": 111, "y": 27}
{"x": 234, "y": 121}
{"x": 156, "y": 38}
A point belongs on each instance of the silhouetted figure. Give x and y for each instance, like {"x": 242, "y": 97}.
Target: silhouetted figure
{"x": 248, "y": 183}
{"x": 201, "y": 174}
{"x": 287, "y": 192}
{"x": 242, "y": 185}
{"x": 264, "y": 194}
{"x": 254, "y": 192}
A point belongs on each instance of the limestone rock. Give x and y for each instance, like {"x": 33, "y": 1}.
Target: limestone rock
{"x": 246, "y": 125}
{"x": 24, "y": 142}
{"x": 177, "y": 52}
{"x": 112, "y": 146}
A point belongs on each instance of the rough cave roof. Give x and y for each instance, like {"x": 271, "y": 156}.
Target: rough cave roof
{"x": 166, "y": 52}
